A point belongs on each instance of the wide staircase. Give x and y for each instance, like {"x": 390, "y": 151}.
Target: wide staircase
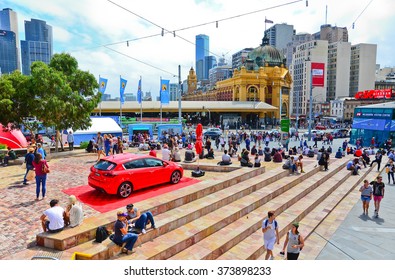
{"x": 220, "y": 218}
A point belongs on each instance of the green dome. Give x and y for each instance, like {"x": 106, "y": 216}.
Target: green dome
{"x": 264, "y": 54}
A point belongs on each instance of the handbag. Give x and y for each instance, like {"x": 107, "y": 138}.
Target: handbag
{"x": 23, "y": 166}
{"x": 45, "y": 169}
{"x": 31, "y": 174}
{"x": 387, "y": 170}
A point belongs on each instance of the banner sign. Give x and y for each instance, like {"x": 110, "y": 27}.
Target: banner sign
{"x": 318, "y": 74}
{"x": 375, "y": 94}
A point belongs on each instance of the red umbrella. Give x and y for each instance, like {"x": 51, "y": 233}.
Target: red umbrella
{"x": 199, "y": 140}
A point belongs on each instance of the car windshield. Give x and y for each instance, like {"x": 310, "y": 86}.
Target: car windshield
{"x": 105, "y": 165}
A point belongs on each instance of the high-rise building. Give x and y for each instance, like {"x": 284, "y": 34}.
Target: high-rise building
{"x": 305, "y": 54}
{"x": 202, "y": 50}
{"x": 362, "y": 68}
{"x": 8, "y": 52}
{"x": 338, "y": 70}
{"x": 37, "y": 45}
{"x": 173, "y": 90}
{"x": 280, "y": 35}
{"x": 297, "y": 39}
{"x": 9, "y": 22}
{"x": 239, "y": 58}
{"x": 209, "y": 62}
{"x": 332, "y": 34}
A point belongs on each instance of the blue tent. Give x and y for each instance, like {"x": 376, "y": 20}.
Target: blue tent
{"x": 140, "y": 128}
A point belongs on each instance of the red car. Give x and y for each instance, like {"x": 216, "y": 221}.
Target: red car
{"x": 122, "y": 174}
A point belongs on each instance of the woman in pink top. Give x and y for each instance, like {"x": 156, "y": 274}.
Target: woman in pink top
{"x": 41, "y": 169}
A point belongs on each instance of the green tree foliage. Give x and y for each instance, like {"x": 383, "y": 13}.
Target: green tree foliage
{"x": 58, "y": 94}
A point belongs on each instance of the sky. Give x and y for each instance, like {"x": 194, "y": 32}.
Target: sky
{"x": 113, "y": 38}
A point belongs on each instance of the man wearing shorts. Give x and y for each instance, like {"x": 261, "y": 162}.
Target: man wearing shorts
{"x": 270, "y": 234}
{"x": 378, "y": 194}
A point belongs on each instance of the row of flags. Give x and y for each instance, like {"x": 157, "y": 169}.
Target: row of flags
{"x": 164, "y": 91}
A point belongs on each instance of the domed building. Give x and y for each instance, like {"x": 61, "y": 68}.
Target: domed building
{"x": 263, "y": 80}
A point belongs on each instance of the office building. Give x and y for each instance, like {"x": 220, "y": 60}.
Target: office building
{"x": 332, "y": 34}
{"x": 306, "y": 53}
{"x": 338, "y": 71}
{"x": 297, "y": 39}
{"x": 38, "y": 44}
{"x": 8, "y": 52}
{"x": 9, "y": 22}
{"x": 173, "y": 90}
{"x": 279, "y": 36}
{"x": 362, "y": 67}
{"x": 202, "y": 50}
{"x": 239, "y": 58}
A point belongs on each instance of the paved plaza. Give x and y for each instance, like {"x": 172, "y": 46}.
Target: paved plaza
{"x": 354, "y": 237}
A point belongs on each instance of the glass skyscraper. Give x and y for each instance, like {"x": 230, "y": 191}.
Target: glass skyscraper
{"x": 38, "y": 44}
{"x": 9, "y": 41}
{"x": 202, "y": 50}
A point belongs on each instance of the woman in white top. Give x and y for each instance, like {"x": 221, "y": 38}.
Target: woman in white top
{"x": 73, "y": 213}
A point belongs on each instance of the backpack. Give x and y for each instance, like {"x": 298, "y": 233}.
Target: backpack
{"x": 267, "y": 222}
{"x": 101, "y": 234}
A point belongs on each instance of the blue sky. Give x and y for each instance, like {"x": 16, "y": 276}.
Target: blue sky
{"x": 96, "y": 31}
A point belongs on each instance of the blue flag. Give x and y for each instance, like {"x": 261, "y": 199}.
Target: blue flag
{"x": 122, "y": 89}
{"x": 102, "y": 85}
{"x": 164, "y": 91}
{"x": 139, "y": 93}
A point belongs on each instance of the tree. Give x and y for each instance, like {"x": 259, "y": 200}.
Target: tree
{"x": 16, "y": 99}
{"x": 66, "y": 95}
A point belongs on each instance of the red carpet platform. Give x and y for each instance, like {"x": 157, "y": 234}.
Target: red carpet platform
{"x": 103, "y": 202}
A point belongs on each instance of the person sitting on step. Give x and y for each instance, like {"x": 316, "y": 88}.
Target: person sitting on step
{"x": 226, "y": 160}
{"x": 139, "y": 219}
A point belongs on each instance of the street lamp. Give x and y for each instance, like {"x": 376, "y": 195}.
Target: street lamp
{"x": 311, "y": 99}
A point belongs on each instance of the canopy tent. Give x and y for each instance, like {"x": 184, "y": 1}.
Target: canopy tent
{"x": 103, "y": 125}
{"x": 12, "y": 138}
{"x": 140, "y": 127}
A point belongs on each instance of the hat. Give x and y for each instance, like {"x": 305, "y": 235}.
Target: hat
{"x": 121, "y": 214}
{"x": 295, "y": 224}
{"x": 72, "y": 199}
{"x": 129, "y": 206}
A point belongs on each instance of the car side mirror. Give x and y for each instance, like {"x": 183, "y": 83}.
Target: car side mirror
{"x": 165, "y": 164}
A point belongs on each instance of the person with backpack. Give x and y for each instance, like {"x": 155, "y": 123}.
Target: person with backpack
{"x": 270, "y": 234}
{"x": 121, "y": 234}
{"x": 378, "y": 194}
{"x": 294, "y": 242}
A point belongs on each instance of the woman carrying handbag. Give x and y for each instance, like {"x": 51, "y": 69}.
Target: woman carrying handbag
{"x": 41, "y": 168}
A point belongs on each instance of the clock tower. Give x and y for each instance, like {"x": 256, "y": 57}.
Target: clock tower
{"x": 192, "y": 81}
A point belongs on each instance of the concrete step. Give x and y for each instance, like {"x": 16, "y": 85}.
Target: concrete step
{"x": 171, "y": 243}
{"x": 309, "y": 211}
{"x": 71, "y": 237}
{"x": 183, "y": 214}
{"x": 246, "y": 226}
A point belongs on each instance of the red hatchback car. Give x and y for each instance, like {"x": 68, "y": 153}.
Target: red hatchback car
{"x": 122, "y": 174}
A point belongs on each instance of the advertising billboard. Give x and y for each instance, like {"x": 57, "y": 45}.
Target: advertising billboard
{"x": 318, "y": 74}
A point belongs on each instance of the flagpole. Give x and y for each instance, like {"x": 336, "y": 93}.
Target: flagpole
{"x": 160, "y": 99}
{"x": 120, "y": 103}
{"x": 141, "y": 103}
{"x": 179, "y": 94}
{"x": 100, "y": 99}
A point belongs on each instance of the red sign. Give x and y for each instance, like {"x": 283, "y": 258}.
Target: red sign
{"x": 318, "y": 74}
{"x": 374, "y": 94}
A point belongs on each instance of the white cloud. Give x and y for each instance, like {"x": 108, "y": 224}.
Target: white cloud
{"x": 81, "y": 26}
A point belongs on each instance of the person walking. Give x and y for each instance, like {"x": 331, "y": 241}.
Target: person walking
{"x": 378, "y": 157}
{"x": 390, "y": 169}
{"x": 70, "y": 140}
{"x": 29, "y": 157}
{"x": 270, "y": 234}
{"x": 366, "y": 195}
{"x": 100, "y": 145}
{"x": 378, "y": 194}
{"x": 41, "y": 169}
{"x": 294, "y": 243}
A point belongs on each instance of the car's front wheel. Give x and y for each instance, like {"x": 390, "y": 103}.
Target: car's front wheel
{"x": 175, "y": 177}
{"x": 125, "y": 189}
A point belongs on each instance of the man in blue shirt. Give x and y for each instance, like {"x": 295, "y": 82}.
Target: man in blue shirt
{"x": 29, "y": 163}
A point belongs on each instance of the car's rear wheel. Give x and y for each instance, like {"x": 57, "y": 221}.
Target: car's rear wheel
{"x": 175, "y": 177}
{"x": 125, "y": 189}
